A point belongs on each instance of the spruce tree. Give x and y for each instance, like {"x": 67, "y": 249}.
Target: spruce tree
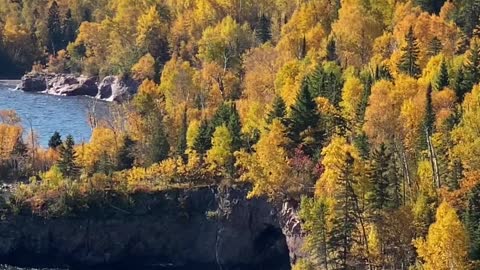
{"x": 105, "y": 164}
{"x": 345, "y": 217}
{"x": 322, "y": 83}
{"x": 409, "y": 59}
{"x": 126, "y": 154}
{"x": 68, "y": 28}
{"x": 331, "y": 50}
{"x": 158, "y": 145}
{"x": 434, "y": 47}
{"x": 442, "y": 78}
{"x": 472, "y": 222}
{"x": 279, "y": 110}
{"x": 263, "y": 31}
{"x": 182, "y": 137}
{"x": 431, "y": 6}
{"x": 54, "y": 26}
{"x": 428, "y": 125}
{"x": 379, "y": 163}
{"x": 203, "y": 142}
{"x": 55, "y": 141}
{"x": 462, "y": 44}
{"x": 67, "y": 160}
{"x": 303, "y": 115}
{"x": 471, "y": 65}
{"x": 460, "y": 85}
{"x": 227, "y": 114}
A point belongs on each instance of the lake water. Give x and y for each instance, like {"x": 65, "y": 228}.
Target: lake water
{"x": 47, "y": 114}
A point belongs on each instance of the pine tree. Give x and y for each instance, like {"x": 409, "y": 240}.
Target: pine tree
{"x": 472, "y": 222}
{"x": 379, "y": 198}
{"x": 303, "y": 115}
{"x": 158, "y": 145}
{"x": 471, "y": 66}
{"x": 331, "y": 50}
{"x": 126, "y": 154}
{"x": 460, "y": 85}
{"x": 462, "y": 44}
{"x": 68, "y": 28}
{"x": 434, "y": 47}
{"x": 442, "y": 78}
{"x": 182, "y": 137}
{"x": 322, "y": 83}
{"x": 409, "y": 59}
{"x": 431, "y": 6}
{"x": 428, "y": 125}
{"x": 67, "y": 160}
{"x": 227, "y": 114}
{"x": 105, "y": 164}
{"x": 55, "y": 141}
{"x": 345, "y": 217}
{"x": 279, "y": 110}
{"x": 54, "y": 26}
{"x": 203, "y": 142}
{"x": 263, "y": 31}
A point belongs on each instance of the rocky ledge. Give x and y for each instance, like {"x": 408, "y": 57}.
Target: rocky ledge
{"x": 111, "y": 88}
{"x": 206, "y": 228}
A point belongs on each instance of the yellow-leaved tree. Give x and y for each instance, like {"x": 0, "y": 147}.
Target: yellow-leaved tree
{"x": 267, "y": 168}
{"x": 445, "y": 247}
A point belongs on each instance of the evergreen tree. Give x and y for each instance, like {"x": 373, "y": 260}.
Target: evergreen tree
{"x": 409, "y": 59}
{"x": 345, "y": 218}
{"x": 302, "y": 49}
{"x": 227, "y": 114}
{"x": 279, "y": 110}
{"x": 431, "y": 6}
{"x": 54, "y": 26}
{"x": 471, "y": 66}
{"x": 68, "y": 28}
{"x": 322, "y": 83}
{"x": 182, "y": 137}
{"x": 55, "y": 141}
{"x": 67, "y": 160}
{"x": 442, "y": 78}
{"x": 263, "y": 31}
{"x": 379, "y": 198}
{"x": 105, "y": 164}
{"x": 303, "y": 115}
{"x": 472, "y": 222}
{"x": 434, "y": 47}
{"x": 126, "y": 154}
{"x": 428, "y": 125}
{"x": 203, "y": 142}
{"x": 460, "y": 85}
{"x": 158, "y": 145}
{"x": 462, "y": 44}
{"x": 331, "y": 50}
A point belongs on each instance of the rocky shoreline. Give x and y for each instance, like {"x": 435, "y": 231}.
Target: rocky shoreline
{"x": 110, "y": 88}
{"x": 205, "y": 228}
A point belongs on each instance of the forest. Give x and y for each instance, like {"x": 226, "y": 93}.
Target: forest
{"x": 365, "y": 112}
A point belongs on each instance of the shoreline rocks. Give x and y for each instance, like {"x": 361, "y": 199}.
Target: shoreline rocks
{"x": 111, "y": 88}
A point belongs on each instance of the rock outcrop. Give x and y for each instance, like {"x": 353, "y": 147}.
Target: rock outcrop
{"x": 111, "y": 88}
{"x": 197, "y": 229}
{"x": 70, "y": 85}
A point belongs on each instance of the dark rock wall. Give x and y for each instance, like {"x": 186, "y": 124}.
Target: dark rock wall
{"x": 204, "y": 228}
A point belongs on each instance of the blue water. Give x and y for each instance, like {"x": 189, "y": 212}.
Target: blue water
{"x": 67, "y": 115}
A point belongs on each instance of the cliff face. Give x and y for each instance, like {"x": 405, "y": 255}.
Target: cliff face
{"x": 198, "y": 229}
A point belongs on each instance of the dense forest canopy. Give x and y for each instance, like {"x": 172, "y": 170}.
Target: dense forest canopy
{"x": 365, "y": 111}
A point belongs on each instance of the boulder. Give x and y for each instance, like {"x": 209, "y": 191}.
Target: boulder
{"x": 115, "y": 88}
{"x": 33, "y": 82}
{"x": 70, "y": 85}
